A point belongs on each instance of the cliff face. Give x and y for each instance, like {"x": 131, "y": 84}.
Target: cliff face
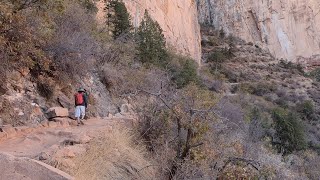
{"x": 288, "y": 28}
{"x": 177, "y": 18}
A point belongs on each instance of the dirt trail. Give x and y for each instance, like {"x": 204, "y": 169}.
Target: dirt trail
{"x": 33, "y": 142}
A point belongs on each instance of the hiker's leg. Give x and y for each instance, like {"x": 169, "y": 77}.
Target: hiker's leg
{"x": 83, "y": 112}
{"x": 77, "y": 113}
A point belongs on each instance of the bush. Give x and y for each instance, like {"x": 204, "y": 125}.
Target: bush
{"x": 291, "y": 66}
{"x": 263, "y": 88}
{"x": 217, "y": 58}
{"x": 151, "y": 42}
{"x": 289, "y": 131}
{"x": 186, "y": 75}
{"x": 45, "y": 87}
{"x": 258, "y": 89}
{"x": 113, "y": 155}
{"x": 72, "y": 43}
{"x": 306, "y": 110}
{"x": 315, "y": 74}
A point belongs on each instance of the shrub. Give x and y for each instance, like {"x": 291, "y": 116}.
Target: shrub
{"x": 306, "y": 110}
{"x": 113, "y": 155}
{"x": 263, "y": 88}
{"x": 291, "y": 66}
{"x": 89, "y": 5}
{"x": 186, "y": 75}
{"x": 151, "y": 42}
{"x": 45, "y": 87}
{"x": 217, "y": 58}
{"x": 258, "y": 89}
{"x": 315, "y": 74}
{"x": 175, "y": 126}
{"x": 289, "y": 131}
{"x": 72, "y": 45}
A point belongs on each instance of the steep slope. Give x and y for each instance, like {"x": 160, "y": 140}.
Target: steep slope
{"x": 288, "y": 28}
{"x": 253, "y": 83}
{"x": 178, "y": 19}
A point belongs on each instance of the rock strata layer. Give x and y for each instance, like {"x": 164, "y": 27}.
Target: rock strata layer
{"x": 288, "y": 28}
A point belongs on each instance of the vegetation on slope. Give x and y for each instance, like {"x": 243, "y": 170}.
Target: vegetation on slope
{"x": 239, "y": 116}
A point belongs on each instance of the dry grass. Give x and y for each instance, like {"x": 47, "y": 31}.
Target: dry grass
{"x": 114, "y": 156}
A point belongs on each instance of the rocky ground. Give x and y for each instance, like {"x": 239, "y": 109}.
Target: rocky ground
{"x": 55, "y": 143}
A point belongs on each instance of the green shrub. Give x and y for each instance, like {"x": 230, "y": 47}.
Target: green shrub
{"x": 258, "y": 89}
{"x": 151, "y": 42}
{"x": 217, "y": 58}
{"x": 306, "y": 110}
{"x": 315, "y": 74}
{"x": 289, "y": 131}
{"x": 186, "y": 75}
{"x": 263, "y": 88}
{"x": 291, "y": 66}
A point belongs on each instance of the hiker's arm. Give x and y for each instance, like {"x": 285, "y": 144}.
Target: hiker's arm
{"x": 75, "y": 101}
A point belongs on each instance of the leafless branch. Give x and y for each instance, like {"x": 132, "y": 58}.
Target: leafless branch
{"x": 254, "y": 164}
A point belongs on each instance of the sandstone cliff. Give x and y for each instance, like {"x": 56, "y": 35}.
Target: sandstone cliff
{"x": 177, "y": 18}
{"x": 288, "y": 28}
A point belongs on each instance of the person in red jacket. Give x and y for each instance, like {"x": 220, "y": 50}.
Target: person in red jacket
{"x": 81, "y": 103}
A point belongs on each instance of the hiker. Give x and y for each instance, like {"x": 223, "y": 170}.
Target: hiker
{"x": 81, "y": 103}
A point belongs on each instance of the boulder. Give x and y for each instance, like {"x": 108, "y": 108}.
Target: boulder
{"x": 24, "y": 168}
{"x": 57, "y": 112}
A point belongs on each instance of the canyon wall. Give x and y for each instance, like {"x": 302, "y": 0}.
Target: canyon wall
{"x": 177, "y": 18}
{"x": 290, "y": 29}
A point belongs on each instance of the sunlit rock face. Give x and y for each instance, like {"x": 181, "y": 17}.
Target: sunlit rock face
{"x": 288, "y": 28}
{"x": 177, "y": 18}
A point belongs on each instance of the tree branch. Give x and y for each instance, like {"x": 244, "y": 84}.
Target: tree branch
{"x": 254, "y": 164}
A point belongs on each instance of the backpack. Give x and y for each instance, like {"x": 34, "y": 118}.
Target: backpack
{"x": 79, "y": 99}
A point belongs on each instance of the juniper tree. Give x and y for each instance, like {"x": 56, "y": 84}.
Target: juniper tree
{"x": 118, "y": 17}
{"x": 151, "y": 42}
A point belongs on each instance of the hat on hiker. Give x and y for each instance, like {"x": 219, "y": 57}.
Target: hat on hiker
{"x": 81, "y": 90}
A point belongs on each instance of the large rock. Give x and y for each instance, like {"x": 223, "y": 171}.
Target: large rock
{"x": 57, "y": 112}
{"x": 26, "y": 169}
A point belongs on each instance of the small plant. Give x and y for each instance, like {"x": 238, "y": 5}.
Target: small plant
{"x": 289, "y": 131}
